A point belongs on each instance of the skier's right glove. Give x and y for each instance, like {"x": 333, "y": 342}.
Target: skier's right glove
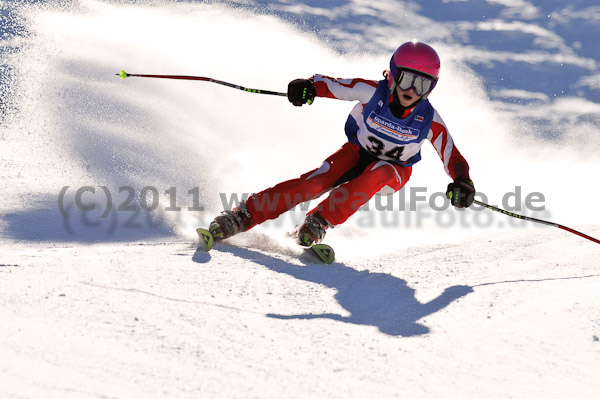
{"x": 301, "y": 91}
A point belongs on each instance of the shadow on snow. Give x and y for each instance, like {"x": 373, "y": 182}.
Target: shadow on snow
{"x": 372, "y": 299}
{"x": 44, "y": 222}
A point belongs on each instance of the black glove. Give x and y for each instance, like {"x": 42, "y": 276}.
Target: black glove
{"x": 301, "y": 91}
{"x": 461, "y": 193}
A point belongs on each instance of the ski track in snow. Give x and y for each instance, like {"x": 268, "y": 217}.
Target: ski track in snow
{"x": 118, "y": 303}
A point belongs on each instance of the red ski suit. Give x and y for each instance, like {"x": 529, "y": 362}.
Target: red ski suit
{"x": 354, "y": 173}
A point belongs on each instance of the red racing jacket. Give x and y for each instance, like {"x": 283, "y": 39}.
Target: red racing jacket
{"x": 372, "y": 125}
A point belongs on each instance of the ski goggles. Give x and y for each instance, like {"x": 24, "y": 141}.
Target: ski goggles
{"x": 421, "y": 84}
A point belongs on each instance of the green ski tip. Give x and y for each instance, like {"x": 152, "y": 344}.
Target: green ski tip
{"x": 206, "y": 239}
{"x": 325, "y": 252}
{"x": 123, "y": 74}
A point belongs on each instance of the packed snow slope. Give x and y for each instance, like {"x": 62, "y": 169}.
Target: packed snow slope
{"x": 102, "y": 291}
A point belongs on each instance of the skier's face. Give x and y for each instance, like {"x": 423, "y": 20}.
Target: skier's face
{"x": 407, "y": 97}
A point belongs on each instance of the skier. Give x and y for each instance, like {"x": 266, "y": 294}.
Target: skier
{"x": 385, "y": 132}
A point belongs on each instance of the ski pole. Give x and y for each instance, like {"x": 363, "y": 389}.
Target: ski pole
{"x": 124, "y": 75}
{"x": 547, "y": 223}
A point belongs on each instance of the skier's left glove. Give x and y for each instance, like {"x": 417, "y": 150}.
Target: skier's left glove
{"x": 301, "y": 91}
{"x": 461, "y": 193}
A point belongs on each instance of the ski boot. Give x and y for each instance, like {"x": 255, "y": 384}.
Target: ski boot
{"x": 312, "y": 231}
{"x": 229, "y": 223}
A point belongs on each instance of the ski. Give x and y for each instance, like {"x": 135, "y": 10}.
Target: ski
{"x": 206, "y": 239}
{"x": 322, "y": 251}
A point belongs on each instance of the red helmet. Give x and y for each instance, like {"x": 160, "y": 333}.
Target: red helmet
{"x": 414, "y": 56}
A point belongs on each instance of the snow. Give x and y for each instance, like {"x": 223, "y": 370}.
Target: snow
{"x": 420, "y": 303}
